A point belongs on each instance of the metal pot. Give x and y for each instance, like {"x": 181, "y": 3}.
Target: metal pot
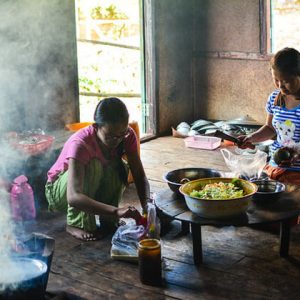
{"x": 269, "y": 191}
{"x": 178, "y": 177}
{"x": 31, "y": 286}
{"x": 217, "y": 209}
{"x": 37, "y": 254}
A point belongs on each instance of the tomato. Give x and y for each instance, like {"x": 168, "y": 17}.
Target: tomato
{"x": 142, "y": 220}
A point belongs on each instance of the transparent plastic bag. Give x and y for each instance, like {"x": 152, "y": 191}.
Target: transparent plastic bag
{"x": 153, "y": 223}
{"x": 125, "y": 240}
{"x": 245, "y": 164}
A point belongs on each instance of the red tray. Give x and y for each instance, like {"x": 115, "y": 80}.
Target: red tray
{"x": 34, "y": 144}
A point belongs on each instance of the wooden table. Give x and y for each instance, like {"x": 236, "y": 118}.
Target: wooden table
{"x": 282, "y": 211}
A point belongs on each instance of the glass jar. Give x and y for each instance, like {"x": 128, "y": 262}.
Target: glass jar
{"x": 149, "y": 253}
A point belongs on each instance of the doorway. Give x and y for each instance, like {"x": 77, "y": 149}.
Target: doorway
{"x": 110, "y": 49}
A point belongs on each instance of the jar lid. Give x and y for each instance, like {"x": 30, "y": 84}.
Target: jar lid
{"x": 149, "y": 244}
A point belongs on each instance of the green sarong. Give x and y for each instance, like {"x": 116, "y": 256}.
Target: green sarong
{"x": 100, "y": 183}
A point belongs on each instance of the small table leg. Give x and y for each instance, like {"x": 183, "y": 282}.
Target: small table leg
{"x": 285, "y": 229}
{"x": 185, "y": 227}
{"x": 197, "y": 243}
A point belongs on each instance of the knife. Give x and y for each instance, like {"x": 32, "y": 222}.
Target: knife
{"x": 225, "y": 136}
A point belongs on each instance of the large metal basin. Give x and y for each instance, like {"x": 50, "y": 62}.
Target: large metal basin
{"x": 215, "y": 209}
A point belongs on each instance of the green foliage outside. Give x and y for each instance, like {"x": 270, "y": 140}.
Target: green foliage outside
{"x": 104, "y": 68}
{"x": 111, "y": 12}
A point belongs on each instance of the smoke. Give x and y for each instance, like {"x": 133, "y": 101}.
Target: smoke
{"x": 38, "y": 64}
{"x": 11, "y": 272}
{"x": 38, "y": 89}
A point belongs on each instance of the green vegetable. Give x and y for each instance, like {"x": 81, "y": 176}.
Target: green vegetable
{"x": 237, "y": 182}
{"x": 220, "y": 190}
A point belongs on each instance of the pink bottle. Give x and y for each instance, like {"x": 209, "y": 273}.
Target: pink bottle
{"x": 22, "y": 200}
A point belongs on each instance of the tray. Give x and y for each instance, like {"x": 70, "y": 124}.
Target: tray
{"x": 34, "y": 144}
{"x": 202, "y": 142}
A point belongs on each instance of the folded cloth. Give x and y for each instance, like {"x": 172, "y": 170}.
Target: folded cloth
{"x": 283, "y": 175}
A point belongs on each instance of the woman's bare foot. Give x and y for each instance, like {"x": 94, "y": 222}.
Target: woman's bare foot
{"x": 83, "y": 235}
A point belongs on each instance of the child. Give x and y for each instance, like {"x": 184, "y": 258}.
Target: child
{"x": 89, "y": 176}
{"x": 283, "y": 117}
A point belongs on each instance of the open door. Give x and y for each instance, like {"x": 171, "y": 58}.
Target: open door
{"x": 114, "y": 57}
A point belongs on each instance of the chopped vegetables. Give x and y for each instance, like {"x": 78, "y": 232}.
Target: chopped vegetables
{"x": 220, "y": 190}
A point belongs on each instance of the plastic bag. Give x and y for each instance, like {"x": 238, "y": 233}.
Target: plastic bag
{"x": 153, "y": 224}
{"x": 125, "y": 240}
{"x": 245, "y": 164}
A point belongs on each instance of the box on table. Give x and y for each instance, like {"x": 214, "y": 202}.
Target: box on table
{"x": 202, "y": 142}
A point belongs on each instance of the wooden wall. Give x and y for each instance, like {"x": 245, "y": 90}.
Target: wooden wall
{"x": 38, "y": 81}
{"x": 174, "y": 47}
{"x": 228, "y": 74}
{"x": 236, "y": 79}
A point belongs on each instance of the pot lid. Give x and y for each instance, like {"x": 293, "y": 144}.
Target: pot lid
{"x": 244, "y": 120}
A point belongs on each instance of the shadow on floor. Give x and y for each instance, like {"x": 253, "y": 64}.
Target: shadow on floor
{"x": 61, "y": 296}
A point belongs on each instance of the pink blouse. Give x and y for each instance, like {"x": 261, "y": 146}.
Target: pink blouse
{"x": 83, "y": 147}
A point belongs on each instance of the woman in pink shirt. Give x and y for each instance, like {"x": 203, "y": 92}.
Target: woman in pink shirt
{"x": 89, "y": 176}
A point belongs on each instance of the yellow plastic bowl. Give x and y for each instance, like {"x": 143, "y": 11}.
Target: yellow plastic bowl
{"x": 215, "y": 209}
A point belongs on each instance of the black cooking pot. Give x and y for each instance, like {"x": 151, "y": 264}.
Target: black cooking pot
{"x": 30, "y": 284}
{"x": 40, "y": 246}
{"x": 176, "y": 178}
{"x": 37, "y": 254}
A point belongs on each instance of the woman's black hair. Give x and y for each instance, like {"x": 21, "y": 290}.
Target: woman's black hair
{"x": 110, "y": 111}
{"x": 287, "y": 61}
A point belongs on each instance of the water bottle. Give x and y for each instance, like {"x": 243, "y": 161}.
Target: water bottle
{"x": 22, "y": 200}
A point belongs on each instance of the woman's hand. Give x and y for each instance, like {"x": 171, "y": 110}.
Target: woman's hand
{"x": 264, "y": 133}
{"x": 245, "y": 141}
{"x": 129, "y": 212}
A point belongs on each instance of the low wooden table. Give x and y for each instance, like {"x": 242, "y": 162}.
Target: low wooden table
{"x": 282, "y": 211}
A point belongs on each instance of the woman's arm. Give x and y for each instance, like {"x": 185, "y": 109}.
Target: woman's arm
{"x": 264, "y": 133}
{"x": 76, "y": 198}
{"x": 140, "y": 179}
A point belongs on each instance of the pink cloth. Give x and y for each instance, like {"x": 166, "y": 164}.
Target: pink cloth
{"x": 83, "y": 147}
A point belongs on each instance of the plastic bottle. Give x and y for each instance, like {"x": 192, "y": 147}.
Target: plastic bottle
{"x": 22, "y": 200}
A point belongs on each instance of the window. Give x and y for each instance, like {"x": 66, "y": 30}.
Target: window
{"x": 285, "y": 24}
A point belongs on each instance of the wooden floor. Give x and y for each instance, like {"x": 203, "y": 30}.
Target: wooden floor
{"x": 239, "y": 263}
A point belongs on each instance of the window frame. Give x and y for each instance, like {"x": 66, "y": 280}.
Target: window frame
{"x": 265, "y": 27}
{"x": 264, "y": 47}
